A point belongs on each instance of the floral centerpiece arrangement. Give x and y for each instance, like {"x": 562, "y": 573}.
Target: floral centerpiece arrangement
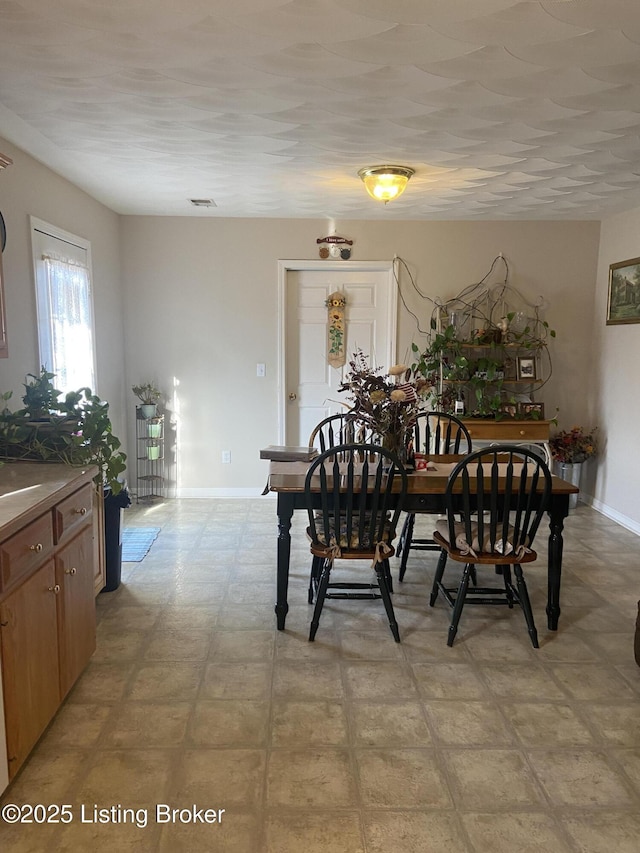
{"x": 574, "y": 445}
{"x": 387, "y": 403}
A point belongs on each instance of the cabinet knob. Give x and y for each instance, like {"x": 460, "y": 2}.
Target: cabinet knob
{"x": 55, "y": 589}
{"x": 81, "y": 511}
{"x": 522, "y": 432}
{"x": 37, "y": 548}
{"x": 70, "y": 571}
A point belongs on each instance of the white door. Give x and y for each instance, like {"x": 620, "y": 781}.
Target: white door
{"x": 309, "y": 385}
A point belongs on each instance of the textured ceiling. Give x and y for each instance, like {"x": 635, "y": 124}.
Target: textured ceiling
{"x": 505, "y": 109}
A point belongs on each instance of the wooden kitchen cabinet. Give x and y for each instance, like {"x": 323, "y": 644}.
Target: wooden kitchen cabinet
{"x": 76, "y": 608}
{"x": 47, "y": 595}
{"x": 30, "y": 670}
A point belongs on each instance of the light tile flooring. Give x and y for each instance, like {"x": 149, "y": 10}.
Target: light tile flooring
{"x": 352, "y": 744}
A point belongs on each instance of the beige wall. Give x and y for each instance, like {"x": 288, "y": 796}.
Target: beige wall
{"x": 201, "y": 311}
{"x": 29, "y": 188}
{"x": 616, "y": 408}
{"x": 191, "y": 303}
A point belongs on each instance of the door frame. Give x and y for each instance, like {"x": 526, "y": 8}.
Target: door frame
{"x": 284, "y": 268}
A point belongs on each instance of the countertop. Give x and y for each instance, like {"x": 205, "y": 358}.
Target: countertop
{"x": 31, "y": 488}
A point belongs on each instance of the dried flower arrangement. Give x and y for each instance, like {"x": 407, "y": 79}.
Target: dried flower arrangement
{"x": 574, "y": 445}
{"x": 387, "y": 403}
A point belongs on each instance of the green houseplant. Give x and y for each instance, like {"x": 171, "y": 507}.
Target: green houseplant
{"x": 75, "y": 430}
{"x": 149, "y": 396}
{"x": 480, "y": 367}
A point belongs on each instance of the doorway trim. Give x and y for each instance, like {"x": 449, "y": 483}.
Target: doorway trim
{"x": 286, "y": 266}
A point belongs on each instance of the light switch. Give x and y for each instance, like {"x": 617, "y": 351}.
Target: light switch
{"x": 261, "y": 369}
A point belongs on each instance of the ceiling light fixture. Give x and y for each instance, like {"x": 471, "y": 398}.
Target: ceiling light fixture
{"x": 384, "y": 183}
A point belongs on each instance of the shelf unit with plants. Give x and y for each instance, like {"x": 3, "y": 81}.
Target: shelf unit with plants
{"x": 487, "y": 362}
{"x": 150, "y": 475}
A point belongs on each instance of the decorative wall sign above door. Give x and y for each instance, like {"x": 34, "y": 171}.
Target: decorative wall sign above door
{"x": 334, "y": 247}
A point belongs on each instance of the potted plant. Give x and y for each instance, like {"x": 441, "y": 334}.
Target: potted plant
{"x": 75, "y": 430}
{"x": 40, "y": 397}
{"x": 481, "y": 367}
{"x": 149, "y": 396}
{"x": 569, "y": 449}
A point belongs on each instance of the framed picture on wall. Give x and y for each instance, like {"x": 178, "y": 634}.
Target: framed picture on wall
{"x": 525, "y": 368}
{"x": 623, "y": 303}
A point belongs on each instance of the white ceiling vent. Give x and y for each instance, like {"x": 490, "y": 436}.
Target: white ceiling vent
{"x": 203, "y": 202}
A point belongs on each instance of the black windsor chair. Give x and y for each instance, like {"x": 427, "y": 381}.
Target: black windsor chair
{"x": 503, "y": 492}
{"x": 359, "y": 489}
{"x": 339, "y": 429}
{"x": 434, "y": 433}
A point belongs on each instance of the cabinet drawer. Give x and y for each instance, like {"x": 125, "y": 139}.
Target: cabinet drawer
{"x": 510, "y": 431}
{"x": 72, "y": 512}
{"x": 22, "y": 553}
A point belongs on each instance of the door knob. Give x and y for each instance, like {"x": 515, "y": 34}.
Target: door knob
{"x": 292, "y": 396}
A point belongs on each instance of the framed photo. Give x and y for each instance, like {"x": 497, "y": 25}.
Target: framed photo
{"x": 531, "y": 410}
{"x": 623, "y": 303}
{"x": 525, "y": 367}
{"x": 509, "y": 409}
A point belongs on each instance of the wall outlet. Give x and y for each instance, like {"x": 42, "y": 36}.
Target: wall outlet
{"x": 226, "y": 457}
{"x": 261, "y": 369}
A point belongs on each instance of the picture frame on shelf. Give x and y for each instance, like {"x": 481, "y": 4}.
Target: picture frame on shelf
{"x": 525, "y": 368}
{"x": 509, "y": 409}
{"x": 531, "y": 410}
{"x": 623, "y": 299}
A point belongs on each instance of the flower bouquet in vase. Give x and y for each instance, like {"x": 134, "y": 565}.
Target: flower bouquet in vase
{"x": 386, "y": 403}
{"x": 569, "y": 449}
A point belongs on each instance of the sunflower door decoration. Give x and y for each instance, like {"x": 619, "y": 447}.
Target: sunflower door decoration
{"x": 335, "y": 303}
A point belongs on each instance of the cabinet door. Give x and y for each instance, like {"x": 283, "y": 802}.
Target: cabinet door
{"x": 28, "y": 626}
{"x": 76, "y": 608}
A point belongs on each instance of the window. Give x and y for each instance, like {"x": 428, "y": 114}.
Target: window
{"x": 64, "y": 303}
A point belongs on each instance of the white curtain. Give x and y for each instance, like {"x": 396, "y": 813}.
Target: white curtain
{"x": 70, "y": 324}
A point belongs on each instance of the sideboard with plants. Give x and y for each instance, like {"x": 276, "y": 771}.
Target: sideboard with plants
{"x": 487, "y": 362}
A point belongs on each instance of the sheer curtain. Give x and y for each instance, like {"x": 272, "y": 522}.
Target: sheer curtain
{"x": 68, "y": 335}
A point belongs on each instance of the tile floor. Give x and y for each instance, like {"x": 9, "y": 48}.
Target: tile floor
{"x": 352, "y": 744}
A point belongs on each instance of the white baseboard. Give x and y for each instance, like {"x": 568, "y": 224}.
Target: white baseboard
{"x": 614, "y": 515}
{"x": 250, "y": 492}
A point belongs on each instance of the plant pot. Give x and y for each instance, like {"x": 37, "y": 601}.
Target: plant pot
{"x": 149, "y": 410}
{"x": 571, "y": 472}
{"x": 153, "y": 451}
{"x": 154, "y": 429}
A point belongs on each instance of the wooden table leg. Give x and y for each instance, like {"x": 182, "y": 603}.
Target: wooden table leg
{"x": 557, "y": 513}
{"x": 285, "y": 513}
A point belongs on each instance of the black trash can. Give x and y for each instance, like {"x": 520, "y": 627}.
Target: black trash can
{"x": 113, "y": 510}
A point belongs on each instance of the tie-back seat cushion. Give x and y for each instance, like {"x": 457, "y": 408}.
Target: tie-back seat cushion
{"x": 342, "y": 539}
{"x": 475, "y": 547}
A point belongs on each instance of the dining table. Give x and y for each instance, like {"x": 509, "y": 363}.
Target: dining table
{"x": 425, "y": 492}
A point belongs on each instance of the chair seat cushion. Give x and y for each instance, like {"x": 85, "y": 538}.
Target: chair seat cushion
{"x": 476, "y": 547}
{"x": 342, "y": 539}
